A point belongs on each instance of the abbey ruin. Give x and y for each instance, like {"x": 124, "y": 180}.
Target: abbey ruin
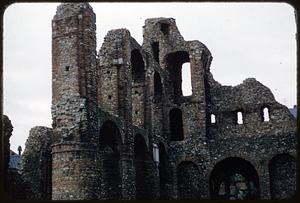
{"x": 122, "y": 128}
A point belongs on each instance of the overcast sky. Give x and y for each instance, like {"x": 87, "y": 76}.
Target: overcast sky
{"x": 245, "y": 39}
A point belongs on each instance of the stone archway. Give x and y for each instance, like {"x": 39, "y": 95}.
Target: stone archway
{"x": 234, "y": 178}
{"x": 282, "y": 170}
{"x": 110, "y": 144}
{"x": 188, "y": 181}
{"x": 143, "y": 182}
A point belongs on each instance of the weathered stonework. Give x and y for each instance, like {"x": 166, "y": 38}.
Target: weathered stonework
{"x": 36, "y": 165}
{"x": 113, "y": 111}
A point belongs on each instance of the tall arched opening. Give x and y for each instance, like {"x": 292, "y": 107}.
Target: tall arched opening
{"x": 188, "y": 181}
{"x": 143, "y": 182}
{"x": 174, "y": 66}
{"x": 282, "y": 170}
{"x": 234, "y": 178}
{"x": 110, "y": 144}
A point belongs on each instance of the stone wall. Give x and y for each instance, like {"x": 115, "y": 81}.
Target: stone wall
{"x": 110, "y": 110}
{"x": 36, "y": 165}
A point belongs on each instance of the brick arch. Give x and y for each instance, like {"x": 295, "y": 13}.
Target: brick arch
{"x": 282, "y": 171}
{"x": 234, "y": 178}
{"x": 188, "y": 184}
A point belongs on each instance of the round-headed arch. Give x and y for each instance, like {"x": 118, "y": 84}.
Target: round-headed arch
{"x": 188, "y": 184}
{"x": 110, "y": 137}
{"x": 282, "y": 170}
{"x": 234, "y": 178}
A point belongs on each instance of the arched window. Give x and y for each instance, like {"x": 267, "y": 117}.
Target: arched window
{"x": 234, "y": 179}
{"x": 240, "y": 119}
{"x": 186, "y": 79}
{"x": 137, "y": 66}
{"x": 212, "y": 118}
{"x": 265, "y": 114}
{"x": 176, "y": 125}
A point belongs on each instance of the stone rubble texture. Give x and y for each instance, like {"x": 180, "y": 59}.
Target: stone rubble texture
{"x": 109, "y": 109}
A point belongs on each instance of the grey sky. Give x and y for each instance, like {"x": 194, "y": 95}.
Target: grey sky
{"x": 245, "y": 39}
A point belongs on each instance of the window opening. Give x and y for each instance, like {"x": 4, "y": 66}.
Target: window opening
{"x": 212, "y": 118}
{"x": 186, "y": 79}
{"x": 176, "y": 125}
{"x": 266, "y": 116}
{"x": 240, "y": 118}
{"x": 164, "y": 28}
{"x": 155, "y": 51}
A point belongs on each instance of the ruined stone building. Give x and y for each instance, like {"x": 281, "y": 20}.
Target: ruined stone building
{"x": 122, "y": 128}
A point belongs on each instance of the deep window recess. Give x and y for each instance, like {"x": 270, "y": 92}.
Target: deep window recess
{"x": 164, "y": 28}
{"x": 176, "y": 124}
{"x": 137, "y": 66}
{"x": 174, "y": 66}
{"x": 155, "y": 51}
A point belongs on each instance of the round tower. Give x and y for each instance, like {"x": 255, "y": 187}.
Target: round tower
{"x": 74, "y": 154}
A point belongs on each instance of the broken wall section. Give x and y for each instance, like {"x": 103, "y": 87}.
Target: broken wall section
{"x": 260, "y": 113}
{"x": 36, "y": 165}
{"x": 114, "y": 84}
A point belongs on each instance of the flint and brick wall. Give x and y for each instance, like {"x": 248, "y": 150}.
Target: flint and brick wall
{"x": 117, "y": 90}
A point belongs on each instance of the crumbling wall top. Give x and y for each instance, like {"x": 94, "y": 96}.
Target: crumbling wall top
{"x": 70, "y": 9}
